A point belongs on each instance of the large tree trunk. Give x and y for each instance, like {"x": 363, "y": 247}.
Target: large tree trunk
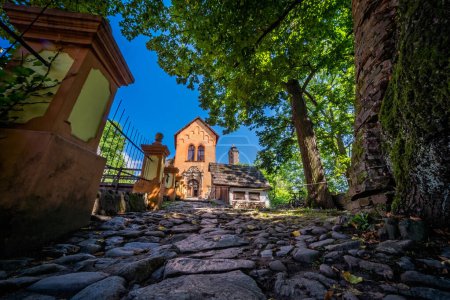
{"x": 416, "y": 109}
{"x": 314, "y": 173}
{"x": 374, "y": 26}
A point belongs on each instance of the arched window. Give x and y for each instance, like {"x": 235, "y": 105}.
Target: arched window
{"x": 201, "y": 153}
{"x": 191, "y": 153}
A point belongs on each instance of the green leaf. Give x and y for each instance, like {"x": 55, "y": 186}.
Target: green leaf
{"x": 351, "y": 278}
{"x": 37, "y": 63}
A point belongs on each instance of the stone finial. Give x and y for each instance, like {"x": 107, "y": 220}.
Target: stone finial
{"x": 158, "y": 137}
{"x": 169, "y": 162}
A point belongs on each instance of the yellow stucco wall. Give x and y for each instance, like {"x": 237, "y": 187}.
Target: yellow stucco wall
{"x": 151, "y": 167}
{"x": 161, "y": 170}
{"x": 196, "y": 134}
{"x": 36, "y": 105}
{"x": 90, "y": 106}
{"x": 168, "y": 183}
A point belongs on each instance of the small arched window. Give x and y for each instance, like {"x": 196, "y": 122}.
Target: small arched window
{"x": 201, "y": 153}
{"x": 191, "y": 153}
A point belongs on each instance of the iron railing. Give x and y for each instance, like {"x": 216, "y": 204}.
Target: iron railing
{"x": 120, "y": 145}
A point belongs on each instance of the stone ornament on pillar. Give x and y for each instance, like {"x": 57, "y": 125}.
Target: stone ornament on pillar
{"x": 152, "y": 173}
{"x": 170, "y": 173}
{"x": 50, "y": 171}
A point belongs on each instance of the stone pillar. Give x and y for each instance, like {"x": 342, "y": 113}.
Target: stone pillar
{"x": 170, "y": 174}
{"x": 152, "y": 172}
{"x": 49, "y": 168}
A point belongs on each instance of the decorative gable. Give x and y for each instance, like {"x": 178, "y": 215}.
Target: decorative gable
{"x": 196, "y": 127}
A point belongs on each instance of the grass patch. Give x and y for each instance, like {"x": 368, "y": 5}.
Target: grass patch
{"x": 303, "y": 213}
{"x": 167, "y": 204}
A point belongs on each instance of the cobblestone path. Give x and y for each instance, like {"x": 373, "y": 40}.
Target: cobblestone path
{"x": 194, "y": 250}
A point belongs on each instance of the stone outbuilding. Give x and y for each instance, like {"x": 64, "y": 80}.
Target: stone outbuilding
{"x": 239, "y": 185}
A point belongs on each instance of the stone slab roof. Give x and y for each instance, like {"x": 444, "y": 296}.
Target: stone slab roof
{"x": 237, "y": 176}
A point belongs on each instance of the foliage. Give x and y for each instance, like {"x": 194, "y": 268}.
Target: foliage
{"x": 360, "y": 221}
{"x": 112, "y": 146}
{"x": 22, "y": 85}
{"x": 332, "y": 110}
{"x": 286, "y": 183}
{"x": 240, "y": 70}
{"x": 334, "y": 117}
{"x": 349, "y": 277}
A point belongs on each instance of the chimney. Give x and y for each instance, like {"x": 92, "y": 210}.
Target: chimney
{"x": 233, "y": 155}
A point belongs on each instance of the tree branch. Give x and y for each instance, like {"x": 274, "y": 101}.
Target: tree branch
{"x": 31, "y": 103}
{"x": 309, "y": 78}
{"x": 311, "y": 98}
{"x": 277, "y": 21}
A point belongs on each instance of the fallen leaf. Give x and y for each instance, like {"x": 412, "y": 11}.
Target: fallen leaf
{"x": 351, "y": 278}
{"x": 328, "y": 295}
{"x": 296, "y": 233}
{"x": 355, "y": 291}
{"x": 445, "y": 261}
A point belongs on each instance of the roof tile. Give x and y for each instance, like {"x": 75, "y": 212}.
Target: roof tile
{"x": 238, "y": 176}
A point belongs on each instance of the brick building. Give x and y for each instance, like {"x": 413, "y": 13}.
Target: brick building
{"x": 201, "y": 177}
{"x": 195, "y": 148}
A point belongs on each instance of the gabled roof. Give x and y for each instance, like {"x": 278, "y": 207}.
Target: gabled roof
{"x": 187, "y": 125}
{"x": 237, "y": 176}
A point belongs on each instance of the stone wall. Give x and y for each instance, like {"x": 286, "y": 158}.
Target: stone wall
{"x": 247, "y": 204}
{"x": 374, "y": 26}
{"x": 110, "y": 202}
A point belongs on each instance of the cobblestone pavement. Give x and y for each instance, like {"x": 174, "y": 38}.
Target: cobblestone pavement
{"x": 195, "y": 250}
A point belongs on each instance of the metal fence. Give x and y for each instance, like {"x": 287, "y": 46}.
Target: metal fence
{"x": 18, "y": 38}
{"x": 120, "y": 145}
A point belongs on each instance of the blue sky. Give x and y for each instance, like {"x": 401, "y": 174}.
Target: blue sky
{"x": 156, "y": 103}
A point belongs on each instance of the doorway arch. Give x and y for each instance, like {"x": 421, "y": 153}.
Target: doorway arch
{"x": 193, "y": 188}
